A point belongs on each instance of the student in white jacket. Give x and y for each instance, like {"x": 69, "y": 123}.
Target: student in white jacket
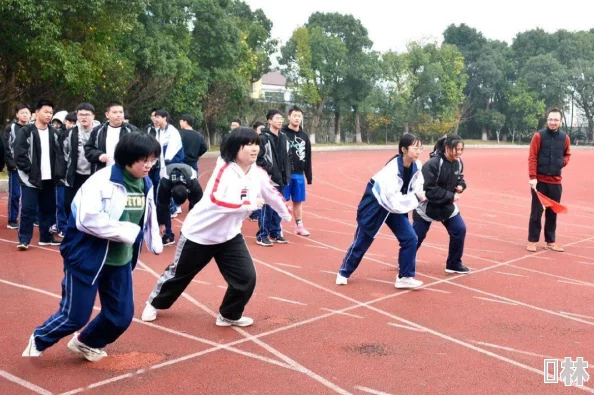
{"x": 212, "y": 229}
{"x": 112, "y": 214}
{"x": 390, "y": 195}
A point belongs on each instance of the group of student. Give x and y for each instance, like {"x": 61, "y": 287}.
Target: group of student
{"x": 114, "y": 213}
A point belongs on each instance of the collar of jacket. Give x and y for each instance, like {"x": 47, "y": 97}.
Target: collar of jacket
{"x": 400, "y": 162}
{"x": 117, "y": 177}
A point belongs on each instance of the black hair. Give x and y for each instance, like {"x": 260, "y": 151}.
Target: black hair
{"x": 71, "y": 116}
{"x": 179, "y": 193}
{"x": 554, "y": 109}
{"x": 42, "y": 103}
{"x": 237, "y": 120}
{"x": 271, "y": 114}
{"x": 136, "y": 146}
{"x": 257, "y": 124}
{"x": 162, "y": 114}
{"x": 21, "y": 106}
{"x": 294, "y": 109}
{"x": 112, "y": 104}
{"x": 188, "y": 118}
{"x": 154, "y": 109}
{"x": 238, "y": 138}
{"x": 407, "y": 140}
{"x": 450, "y": 142}
{"x": 85, "y": 107}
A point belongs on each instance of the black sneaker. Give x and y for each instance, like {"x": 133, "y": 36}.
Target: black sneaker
{"x": 23, "y": 246}
{"x": 13, "y": 225}
{"x": 168, "y": 241}
{"x": 50, "y": 242}
{"x": 459, "y": 269}
{"x": 279, "y": 240}
{"x": 264, "y": 242}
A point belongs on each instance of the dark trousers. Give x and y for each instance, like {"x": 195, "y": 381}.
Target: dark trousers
{"x": 14, "y": 196}
{"x": 456, "y": 229}
{"x": 78, "y": 298}
{"x": 234, "y": 262}
{"x": 70, "y": 193}
{"x": 61, "y": 216}
{"x": 400, "y": 226}
{"x": 269, "y": 223}
{"x": 32, "y": 198}
{"x": 552, "y": 191}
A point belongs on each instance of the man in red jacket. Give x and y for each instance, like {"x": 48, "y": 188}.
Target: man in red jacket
{"x": 549, "y": 154}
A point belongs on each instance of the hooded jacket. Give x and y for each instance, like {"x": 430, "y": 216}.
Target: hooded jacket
{"x": 275, "y": 156}
{"x": 96, "y": 146}
{"x": 300, "y": 152}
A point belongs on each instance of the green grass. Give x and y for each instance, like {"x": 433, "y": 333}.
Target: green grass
{"x": 3, "y": 175}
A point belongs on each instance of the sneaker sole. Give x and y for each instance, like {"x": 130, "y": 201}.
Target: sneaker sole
{"x": 407, "y": 286}
{"x": 11, "y": 227}
{"x": 263, "y": 244}
{"x": 229, "y": 324}
{"x": 48, "y": 244}
{"x": 280, "y": 242}
{"x": 148, "y": 319}
{"x": 72, "y": 347}
{"x": 22, "y": 248}
{"x": 299, "y": 234}
{"x": 455, "y": 271}
{"x": 169, "y": 244}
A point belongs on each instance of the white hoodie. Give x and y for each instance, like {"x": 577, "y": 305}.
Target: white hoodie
{"x": 230, "y": 196}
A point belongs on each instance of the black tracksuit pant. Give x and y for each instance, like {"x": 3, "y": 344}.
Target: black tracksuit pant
{"x": 552, "y": 191}
{"x": 234, "y": 262}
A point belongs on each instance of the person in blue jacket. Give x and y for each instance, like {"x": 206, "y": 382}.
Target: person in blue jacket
{"x": 390, "y": 195}
{"x": 112, "y": 214}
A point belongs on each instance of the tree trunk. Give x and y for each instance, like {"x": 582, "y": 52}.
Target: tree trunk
{"x": 513, "y": 135}
{"x": 498, "y": 132}
{"x": 337, "y": 130}
{"x": 358, "y": 138}
{"x": 315, "y": 122}
{"x": 406, "y": 128}
{"x": 484, "y": 133}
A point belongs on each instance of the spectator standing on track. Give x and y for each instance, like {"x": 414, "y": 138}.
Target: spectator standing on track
{"x": 78, "y": 168}
{"x": 549, "y": 154}
{"x": 100, "y": 250}
{"x": 274, "y": 158}
{"x": 100, "y": 148}
{"x": 257, "y": 126}
{"x": 213, "y": 230}
{"x": 444, "y": 183}
{"x": 390, "y": 195}
{"x": 23, "y": 116}
{"x": 192, "y": 141}
{"x": 40, "y": 162}
{"x": 300, "y": 166}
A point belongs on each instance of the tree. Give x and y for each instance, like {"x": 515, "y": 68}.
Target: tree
{"x": 523, "y": 110}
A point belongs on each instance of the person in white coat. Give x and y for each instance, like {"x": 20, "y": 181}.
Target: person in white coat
{"x": 390, "y": 195}
{"x": 212, "y": 229}
{"x": 112, "y": 214}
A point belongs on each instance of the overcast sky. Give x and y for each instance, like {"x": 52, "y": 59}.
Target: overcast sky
{"x": 392, "y": 24}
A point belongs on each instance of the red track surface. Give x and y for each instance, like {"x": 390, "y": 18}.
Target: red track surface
{"x": 487, "y": 332}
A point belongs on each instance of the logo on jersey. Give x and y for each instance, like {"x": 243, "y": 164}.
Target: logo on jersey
{"x": 135, "y": 202}
{"x": 244, "y": 194}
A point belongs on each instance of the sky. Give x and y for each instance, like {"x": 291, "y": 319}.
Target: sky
{"x": 392, "y": 24}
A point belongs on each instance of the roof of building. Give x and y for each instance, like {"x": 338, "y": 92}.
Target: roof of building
{"x": 274, "y": 78}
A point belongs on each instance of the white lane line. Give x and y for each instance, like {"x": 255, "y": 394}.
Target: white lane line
{"x": 371, "y": 390}
{"x": 194, "y": 281}
{"x": 341, "y": 312}
{"x": 381, "y": 281}
{"x": 287, "y": 265}
{"x": 577, "y": 315}
{"x": 575, "y": 283}
{"x": 287, "y": 300}
{"x": 495, "y": 300}
{"x": 511, "y": 274}
{"x": 24, "y": 383}
{"x": 410, "y": 328}
{"x": 328, "y": 272}
{"x": 311, "y": 245}
{"x": 437, "y": 290}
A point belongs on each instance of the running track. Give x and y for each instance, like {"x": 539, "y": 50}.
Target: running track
{"x": 487, "y": 332}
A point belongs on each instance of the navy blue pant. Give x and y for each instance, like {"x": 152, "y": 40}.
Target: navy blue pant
{"x": 269, "y": 223}
{"x": 14, "y": 193}
{"x": 61, "y": 218}
{"x": 456, "y": 229}
{"x": 255, "y": 214}
{"x": 402, "y": 229}
{"x": 31, "y": 200}
{"x": 78, "y": 298}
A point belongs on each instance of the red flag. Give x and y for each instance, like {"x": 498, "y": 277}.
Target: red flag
{"x": 553, "y": 205}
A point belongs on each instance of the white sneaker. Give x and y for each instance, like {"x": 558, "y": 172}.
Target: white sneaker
{"x": 178, "y": 210}
{"x": 243, "y": 321}
{"x": 90, "y": 353}
{"x": 407, "y": 283}
{"x": 149, "y": 313}
{"x": 31, "y": 350}
{"x": 340, "y": 280}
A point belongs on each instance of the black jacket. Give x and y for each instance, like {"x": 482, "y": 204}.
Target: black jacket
{"x": 27, "y": 156}
{"x": 441, "y": 179}
{"x": 8, "y": 140}
{"x": 275, "y": 156}
{"x": 96, "y": 146}
{"x": 300, "y": 152}
{"x": 194, "y": 146}
{"x": 552, "y": 151}
{"x": 177, "y": 173}
{"x": 2, "y": 154}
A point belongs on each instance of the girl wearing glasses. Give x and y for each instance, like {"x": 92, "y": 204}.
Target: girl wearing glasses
{"x": 112, "y": 214}
{"x": 444, "y": 183}
{"x": 390, "y": 195}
